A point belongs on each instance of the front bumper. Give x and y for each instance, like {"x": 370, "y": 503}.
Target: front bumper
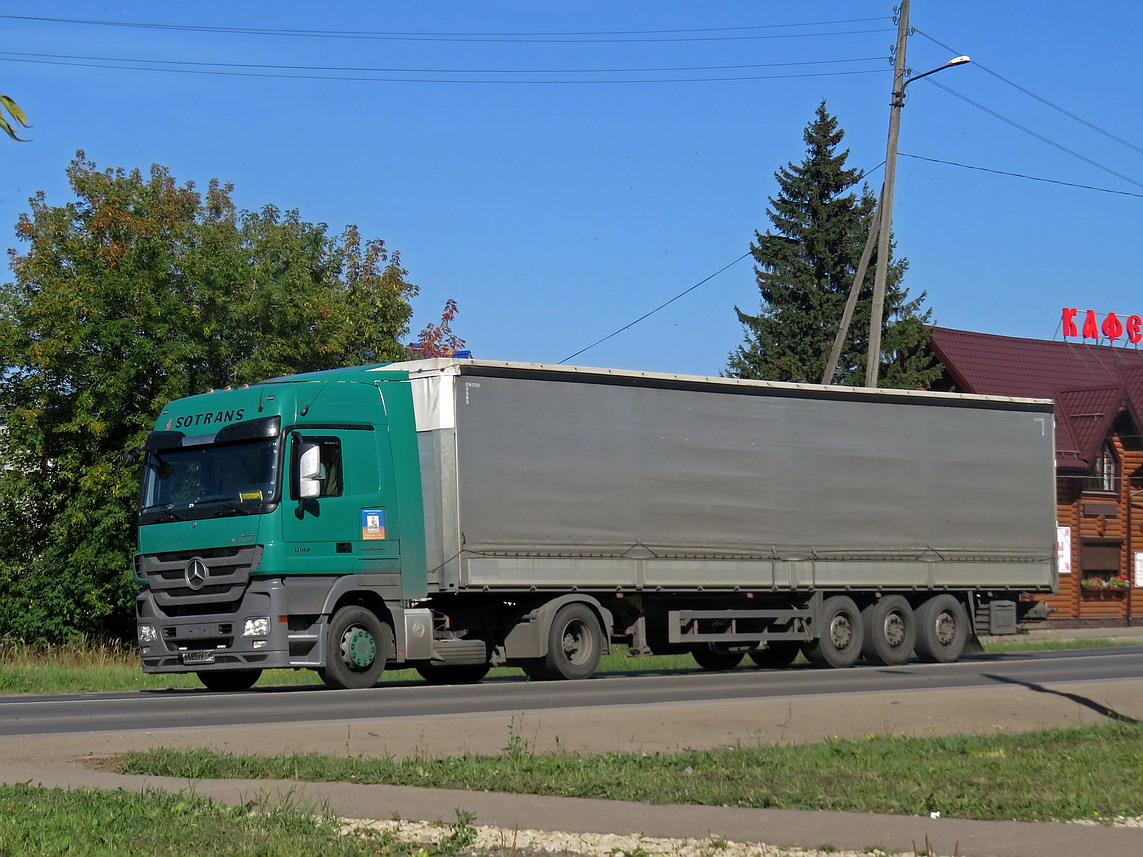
{"x": 214, "y": 641}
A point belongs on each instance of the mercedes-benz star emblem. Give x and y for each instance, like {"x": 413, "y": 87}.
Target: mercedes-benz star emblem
{"x": 195, "y": 573}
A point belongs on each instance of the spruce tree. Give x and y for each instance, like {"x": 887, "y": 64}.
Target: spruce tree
{"x": 805, "y": 265}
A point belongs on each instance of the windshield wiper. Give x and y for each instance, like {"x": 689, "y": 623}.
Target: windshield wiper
{"x": 226, "y": 503}
{"x": 165, "y": 512}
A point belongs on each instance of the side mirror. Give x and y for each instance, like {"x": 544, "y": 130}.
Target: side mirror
{"x": 309, "y": 471}
{"x": 304, "y": 482}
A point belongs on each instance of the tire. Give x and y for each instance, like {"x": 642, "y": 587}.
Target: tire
{"x": 357, "y": 647}
{"x": 230, "y": 680}
{"x": 890, "y": 631}
{"x": 575, "y": 645}
{"x": 777, "y": 655}
{"x": 714, "y": 657}
{"x": 454, "y": 673}
{"x": 841, "y": 635}
{"x": 942, "y": 630}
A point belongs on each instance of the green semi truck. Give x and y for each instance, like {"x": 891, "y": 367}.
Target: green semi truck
{"x": 454, "y": 514}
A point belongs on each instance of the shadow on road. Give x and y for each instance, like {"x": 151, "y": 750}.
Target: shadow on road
{"x": 1098, "y": 708}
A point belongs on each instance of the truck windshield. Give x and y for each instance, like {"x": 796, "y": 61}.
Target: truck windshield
{"x": 209, "y": 481}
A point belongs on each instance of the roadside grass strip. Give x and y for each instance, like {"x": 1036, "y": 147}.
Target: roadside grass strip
{"x": 39, "y": 822}
{"x": 1081, "y": 773}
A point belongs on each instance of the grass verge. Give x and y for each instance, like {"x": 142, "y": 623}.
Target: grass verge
{"x": 88, "y": 668}
{"x": 81, "y": 823}
{"x": 1062, "y": 774}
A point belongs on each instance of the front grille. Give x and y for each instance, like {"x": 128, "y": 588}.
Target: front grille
{"x": 225, "y": 576}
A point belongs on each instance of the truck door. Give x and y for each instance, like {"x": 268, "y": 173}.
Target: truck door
{"x": 348, "y": 521}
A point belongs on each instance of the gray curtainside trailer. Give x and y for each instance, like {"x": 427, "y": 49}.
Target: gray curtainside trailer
{"x": 727, "y": 517}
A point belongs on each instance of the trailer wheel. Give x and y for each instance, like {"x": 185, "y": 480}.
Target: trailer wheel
{"x": 776, "y": 655}
{"x": 359, "y": 644}
{"x": 454, "y": 673}
{"x": 575, "y": 644}
{"x": 942, "y": 629}
{"x": 890, "y": 631}
{"x": 230, "y": 680}
{"x": 714, "y": 657}
{"x": 840, "y": 635}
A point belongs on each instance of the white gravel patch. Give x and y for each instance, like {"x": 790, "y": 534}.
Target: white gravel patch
{"x": 1117, "y": 821}
{"x": 502, "y": 842}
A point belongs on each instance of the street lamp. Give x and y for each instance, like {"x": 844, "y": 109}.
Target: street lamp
{"x": 873, "y": 358}
{"x": 949, "y": 64}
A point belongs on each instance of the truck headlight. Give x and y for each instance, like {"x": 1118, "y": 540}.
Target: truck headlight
{"x": 257, "y": 627}
{"x": 147, "y": 634}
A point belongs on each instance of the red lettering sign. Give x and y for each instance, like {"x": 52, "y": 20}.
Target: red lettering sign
{"x": 1070, "y": 328}
{"x": 1112, "y": 327}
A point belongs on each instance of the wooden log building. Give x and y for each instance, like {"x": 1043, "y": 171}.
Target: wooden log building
{"x": 1098, "y": 390}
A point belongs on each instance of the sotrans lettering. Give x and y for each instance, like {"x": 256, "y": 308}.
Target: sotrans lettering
{"x": 209, "y": 418}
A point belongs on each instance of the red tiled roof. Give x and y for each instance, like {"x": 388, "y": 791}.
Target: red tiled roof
{"x": 1089, "y": 382}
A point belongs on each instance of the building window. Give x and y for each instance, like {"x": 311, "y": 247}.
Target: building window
{"x": 1104, "y": 475}
{"x": 1099, "y": 561}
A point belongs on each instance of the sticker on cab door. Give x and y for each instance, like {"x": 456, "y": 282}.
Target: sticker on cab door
{"x": 373, "y": 524}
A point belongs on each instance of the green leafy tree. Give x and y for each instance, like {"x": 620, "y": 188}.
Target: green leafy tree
{"x": 438, "y": 340}
{"x": 805, "y": 268}
{"x": 137, "y": 292}
{"x": 17, "y": 115}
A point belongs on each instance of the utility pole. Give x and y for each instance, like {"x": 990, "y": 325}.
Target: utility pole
{"x": 854, "y": 291}
{"x": 876, "y": 319}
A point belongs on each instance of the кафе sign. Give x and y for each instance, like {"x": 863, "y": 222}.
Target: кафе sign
{"x": 1112, "y": 326}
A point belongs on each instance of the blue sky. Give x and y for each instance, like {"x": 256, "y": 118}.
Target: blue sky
{"x": 556, "y": 209}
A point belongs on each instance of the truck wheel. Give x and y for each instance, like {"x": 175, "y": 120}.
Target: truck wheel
{"x": 942, "y": 629}
{"x": 454, "y": 673}
{"x": 357, "y": 648}
{"x": 777, "y": 655}
{"x": 841, "y": 637}
{"x": 890, "y": 631}
{"x": 230, "y": 680}
{"x": 714, "y": 657}
{"x": 575, "y": 644}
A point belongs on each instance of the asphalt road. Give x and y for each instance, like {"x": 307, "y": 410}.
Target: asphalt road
{"x": 82, "y": 713}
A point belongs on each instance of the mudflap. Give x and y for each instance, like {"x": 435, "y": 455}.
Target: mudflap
{"x": 972, "y": 645}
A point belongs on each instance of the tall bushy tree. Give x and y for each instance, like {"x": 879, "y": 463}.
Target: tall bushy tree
{"x": 137, "y": 292}
{"x": 805, "y": 267}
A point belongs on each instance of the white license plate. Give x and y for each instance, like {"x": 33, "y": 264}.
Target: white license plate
{"x": 198, "y": 657}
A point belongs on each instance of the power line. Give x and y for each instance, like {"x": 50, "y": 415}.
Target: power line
{"x": 656, "y": 309}
{"x": 1023, "y": 176}
{"x": 1039, "y": 98}
{"x": 267, "y": 66}
{"x": 646, "y": 315}
{"x": 439, "y": 80}
{"x": 614, "y": 36}
{"x": 1035, "y": 134}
